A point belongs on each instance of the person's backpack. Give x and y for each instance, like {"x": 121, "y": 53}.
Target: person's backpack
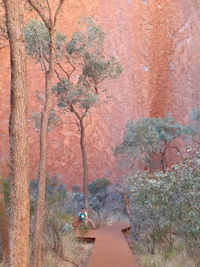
{"x": 82, "y": 216}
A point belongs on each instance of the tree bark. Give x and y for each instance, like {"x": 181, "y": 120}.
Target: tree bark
{"x": 4, "y": 233}
{"x": 40, "y": 210}
{"x": 19, "y": 183}
{"x": 127, "y": 206}
{"x": 50, "y": 23}
{"x": 85, "y": 165}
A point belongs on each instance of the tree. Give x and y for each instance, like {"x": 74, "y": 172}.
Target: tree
{"x": 19, "y": 194}
{"x": 49, "y": 19}
{"x": 146, "y": 137}
{"x": 81, "y": 57}
{"x": 84, "y": 54}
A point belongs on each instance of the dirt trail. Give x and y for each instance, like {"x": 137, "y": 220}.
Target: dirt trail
{"x": 110, "y": 247}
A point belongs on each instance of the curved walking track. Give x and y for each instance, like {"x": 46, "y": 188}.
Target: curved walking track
{"x": 110, "y": 247}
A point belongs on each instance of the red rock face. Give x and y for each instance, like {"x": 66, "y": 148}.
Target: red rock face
{"x": 158, "y": 44}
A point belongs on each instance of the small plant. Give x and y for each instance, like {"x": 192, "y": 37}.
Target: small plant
{"x": 83, "y": 228}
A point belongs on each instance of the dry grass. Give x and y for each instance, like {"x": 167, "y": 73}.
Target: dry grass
{"x": 114, "y": 218}
{"x": 75, "y": 251}
{"x": 179, "y": 259}
{"x": 164, "y": 257}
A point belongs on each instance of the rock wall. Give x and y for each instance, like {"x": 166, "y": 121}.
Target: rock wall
{"x": 158, "y": 43}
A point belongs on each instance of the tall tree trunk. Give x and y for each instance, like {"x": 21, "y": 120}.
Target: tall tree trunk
{"x": 19, "y": 183}
{"x": 50, "y": 22}
{"x": 4, "y": 227}
{"x": 85, "y": 165}
{"x": 40, "y": 210}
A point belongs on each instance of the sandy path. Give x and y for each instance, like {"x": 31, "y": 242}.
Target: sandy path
{"x": 110, "y": 247}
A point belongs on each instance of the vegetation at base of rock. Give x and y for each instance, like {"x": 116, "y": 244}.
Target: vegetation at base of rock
{"x": 175, "y": 256}
{"x": 98, "y": 186}
{"x": 165, "y": 206}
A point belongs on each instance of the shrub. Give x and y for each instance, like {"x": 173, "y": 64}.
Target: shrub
{"x": 162, "y": 204}
{"x": 98, "y": 186}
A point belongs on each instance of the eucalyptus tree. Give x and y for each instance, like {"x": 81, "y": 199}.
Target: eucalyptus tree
{"x": 78, "y": 89}
{"x": 19, "y": 182}
{"x": 147, "y": 137}
{"x": 49, "y": 17}
{"x": 80, "y": 68}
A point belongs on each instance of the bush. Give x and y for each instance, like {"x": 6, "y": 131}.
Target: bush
{"x": 98, "y": 193}
{"x": 164, "y": 204}
{"x": 98, "y": 186}
{"x": 58, "y": 219}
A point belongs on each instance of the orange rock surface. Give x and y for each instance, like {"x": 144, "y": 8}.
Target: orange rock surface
{"x": 158, "y": 44}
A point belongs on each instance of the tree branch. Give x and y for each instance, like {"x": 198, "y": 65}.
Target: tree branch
{"x": 72, "y": 65}
{"x": 41, "y": 51}
{"x": 84, "y": 113}
{"x": 37, "y": 7}
{"x": 57, "y": 74}
{"x": 61, "y": 67}
{"x": 49, "y": 9}
{"x": 57, "y": 11}
{"x": 76, "y": 122}
{"x": 72, "y": 108}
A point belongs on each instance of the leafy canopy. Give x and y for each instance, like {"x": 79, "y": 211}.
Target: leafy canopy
{"x": 80, "y": 63}
{"x": 85, "y": 53}
{"x": 150, "y": 135}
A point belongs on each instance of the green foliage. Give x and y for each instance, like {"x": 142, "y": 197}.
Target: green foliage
{"x": 98, "y": 193}
{"x": 145, "y": 136}
{"x": 55, "y": 196}
{"x": 58, "y": 219}
{"x": 83, "y": 228}
{"x": 80, "y": 93}
{"x": 84, "y": 52}
{"x": 37, "y": 40}
{"x": 164, "y": 203}
{"x": 195, "y": 115}
{"x": 53, "y": 120}
{"x": 89, "y": 39}
{"x": 98, "y": 186}
{"x": 6, "y": 189}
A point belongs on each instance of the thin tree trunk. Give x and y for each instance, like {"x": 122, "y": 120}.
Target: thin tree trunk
{"x": 130, "y": 217}
{"x": 19, "y": 183}
{"x": 4, "y": 227}
{"x": 40, "y": 210}
{"x": 50, "y": 22}
{"x": 85, "y": 165}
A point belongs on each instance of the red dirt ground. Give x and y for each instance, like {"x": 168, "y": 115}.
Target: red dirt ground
{"x": 110, "y": 247}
